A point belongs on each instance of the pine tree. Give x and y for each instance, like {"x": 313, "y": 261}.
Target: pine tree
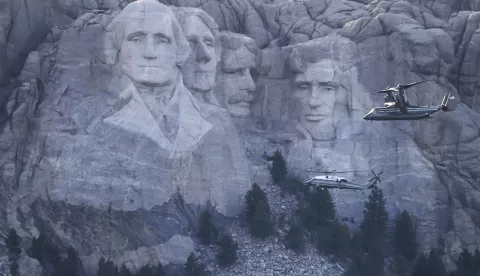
{"x": 227, "y": 253}
{"x": 192, "y": 267}
{"x": 261, "y": 225}
{"x": 404, "y": 236}
{"x": 294, "y": 239}
{"x": 278, "y": 169}
{"x": 106, "y": 268}
{"x": 13, "y": 243}
{"x": 145, "y": 271}
{"x": 374, "y": 227}
{"x": 401, "y": 265}
{"x": 318, "y": 211}
{"x": 339, "y": 244}
{"x": 208, "y": 231}
{"x": 476, "y": 261}
{"x": 253, "y": 196}
{"x": 158, "y": 270}
{"x": 357, "y": 265}
{"x": 39, "y": 245}
{"x": 435, "y": 264}
{"x": 69, "y": 265}
{"x": 14, "y": 268}
{"x": 72, "y": 259}
{"x": 124, "y": 271}
{"x": 375, "y": 215}
{"x": 465, "y": 264}
{"x": 421, "y": 268}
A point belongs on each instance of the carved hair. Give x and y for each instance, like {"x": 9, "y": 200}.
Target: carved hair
{"x": 183, "y": 13}
{"x": 115, "y": 30}
{"x": 299, "y": 63}
{"x": 232, "y": 41}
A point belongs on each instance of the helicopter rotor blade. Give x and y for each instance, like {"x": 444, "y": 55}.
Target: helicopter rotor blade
{"x": 327, "y": 172}
{"x": 335, "y": 171}
{"x": 411, "y": 84}
{"x": 378, "y": 92}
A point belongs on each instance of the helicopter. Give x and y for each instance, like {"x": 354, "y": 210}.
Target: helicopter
{"x": 334, "y": 182}
{"x": 397, "y": 107}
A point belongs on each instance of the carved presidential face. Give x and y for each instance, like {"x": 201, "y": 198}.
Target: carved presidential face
{"x": 315, "y": 89}
{"x": 236, "y": 84}
{"x": 199, "y": 70}
{"x": 148, "y": 50}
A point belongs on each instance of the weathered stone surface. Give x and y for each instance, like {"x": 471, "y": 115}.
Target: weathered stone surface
{"x": 27, "y": 266}
{"x": 62, "y": 168}
{"x": 464, "y": 73}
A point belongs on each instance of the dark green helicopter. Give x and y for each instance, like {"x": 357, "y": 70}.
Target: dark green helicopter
{"x": 398, "y": 108}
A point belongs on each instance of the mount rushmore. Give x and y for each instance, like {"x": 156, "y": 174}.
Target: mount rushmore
{"x": 124, "y": 119}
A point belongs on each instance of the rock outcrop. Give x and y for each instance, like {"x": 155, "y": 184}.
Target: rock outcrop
{"x": 85, "y": 146}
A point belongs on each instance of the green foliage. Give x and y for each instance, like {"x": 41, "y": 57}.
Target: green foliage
{"x": 150, "y": 271}
{"x": 39, "y": 245}
{"x": 476, "y": 260}
{"x": 370, "y": 242}
{"x": 375, "y": 216}
{"x": 402, "y": 265}
{"x": 421, "y": 267}
{"x": 404, "y": 236}
{"x": 207, "y": 229}
{"x": 193, "y": 267}
{"x": 278, "y": 170}
{"x": 253, "y": 196}
{"x": 294, "y": 239}
{"x": 14, "y": 268}
{"x": 124, "y": 271}
{"x": 435, "y": 264}
{"x": 227, "y": 253}
{"x": 68, "y": 266}
{"x": 291, "y": 185}
{"x": 334, "y": 239}
{"x": 13, "y": 244}
{"x": 258, "y": 214}
{"x": 317, "y": 211}
{"x": 431, "y": 265}
{"x": 466, "y": 265}
{"x": 145, "y": 271}
{"x": 106, "y": 268}
{"x": 261, "y": 224}
{"x": 356, "y": 266}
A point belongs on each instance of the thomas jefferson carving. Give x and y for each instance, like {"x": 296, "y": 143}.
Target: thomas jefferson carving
{"x": 235, "y": 86}
{"x": 147, "y": 47}
{"x": 201, "y": 31}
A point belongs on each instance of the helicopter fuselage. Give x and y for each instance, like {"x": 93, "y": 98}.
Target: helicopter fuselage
{"x": 395, "y": 113}
{"x": 333, "y": 182}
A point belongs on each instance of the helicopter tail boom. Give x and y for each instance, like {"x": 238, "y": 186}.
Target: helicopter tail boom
{"x": 449, "y": 103}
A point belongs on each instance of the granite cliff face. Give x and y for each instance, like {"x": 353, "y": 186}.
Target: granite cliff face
{"x": 94, "y": 156}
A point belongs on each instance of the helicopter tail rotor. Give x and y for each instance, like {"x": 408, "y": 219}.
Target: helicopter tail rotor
{"x": 373, "y": 180}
